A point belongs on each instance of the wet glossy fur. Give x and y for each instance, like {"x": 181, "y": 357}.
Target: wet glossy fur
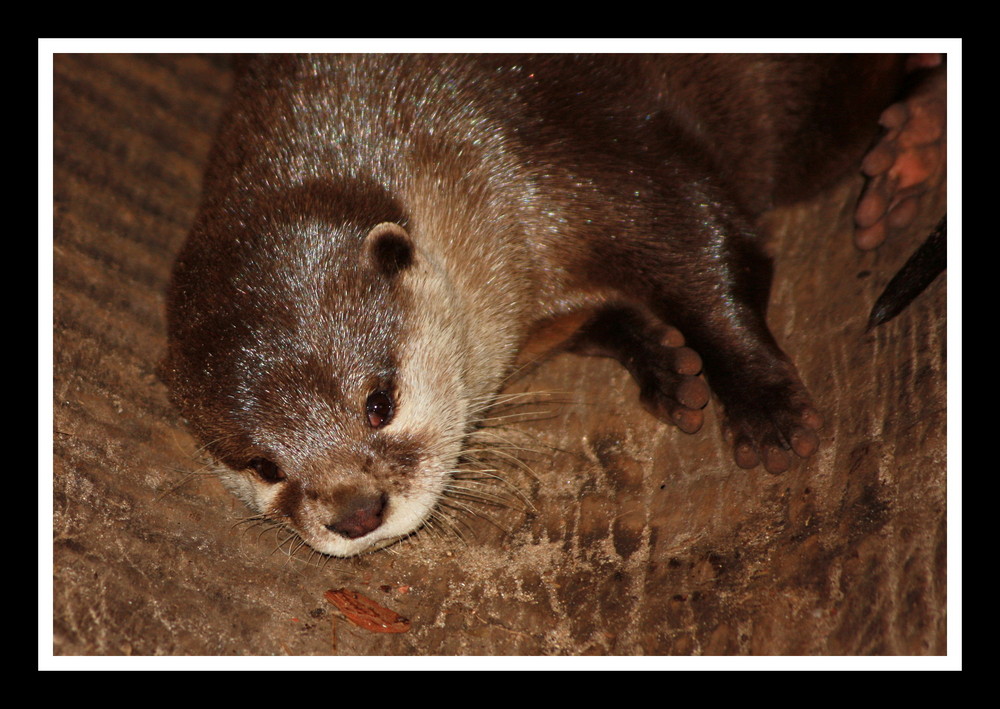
{"x": 621, "y": 189}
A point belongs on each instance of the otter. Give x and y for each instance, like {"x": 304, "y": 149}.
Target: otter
{"x": 380, "y": 235}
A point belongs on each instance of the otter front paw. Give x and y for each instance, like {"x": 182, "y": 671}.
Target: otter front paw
{"x": 906, "y": 164}
{"x": 669, "y": 386}
{"x": 657, "y": 358}
{"x": 770, "y": 425}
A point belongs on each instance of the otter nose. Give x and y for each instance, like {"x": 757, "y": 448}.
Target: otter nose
{"x": 361, "y": 516}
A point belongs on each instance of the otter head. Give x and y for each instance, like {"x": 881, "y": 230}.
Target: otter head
{"x": 318, "y": 356}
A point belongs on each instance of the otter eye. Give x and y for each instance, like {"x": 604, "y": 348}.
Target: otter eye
{"x": 268, "y": 470}
{"x": 379, "y": 408}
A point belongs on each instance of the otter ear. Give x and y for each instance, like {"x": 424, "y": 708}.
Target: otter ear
{"x": 390, "y": 248}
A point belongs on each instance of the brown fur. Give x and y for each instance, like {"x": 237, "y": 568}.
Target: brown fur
{"x": 617, "y": 190}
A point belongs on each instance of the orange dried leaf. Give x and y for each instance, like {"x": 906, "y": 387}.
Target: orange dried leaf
{"x": 366, "y": 613}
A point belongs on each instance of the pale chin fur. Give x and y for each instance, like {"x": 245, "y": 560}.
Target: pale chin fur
{"x": 408, "y": 515}
{"x": 407, "y": 512}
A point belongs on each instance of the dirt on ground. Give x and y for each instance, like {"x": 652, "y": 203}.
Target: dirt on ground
{"x": 613, "y": 535}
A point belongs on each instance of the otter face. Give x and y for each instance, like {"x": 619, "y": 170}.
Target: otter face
{"x": 338, "y": 408}
{"x": 353, "y": 497}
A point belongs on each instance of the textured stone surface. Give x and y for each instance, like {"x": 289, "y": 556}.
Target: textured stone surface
{"x": 631, "y": 538}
